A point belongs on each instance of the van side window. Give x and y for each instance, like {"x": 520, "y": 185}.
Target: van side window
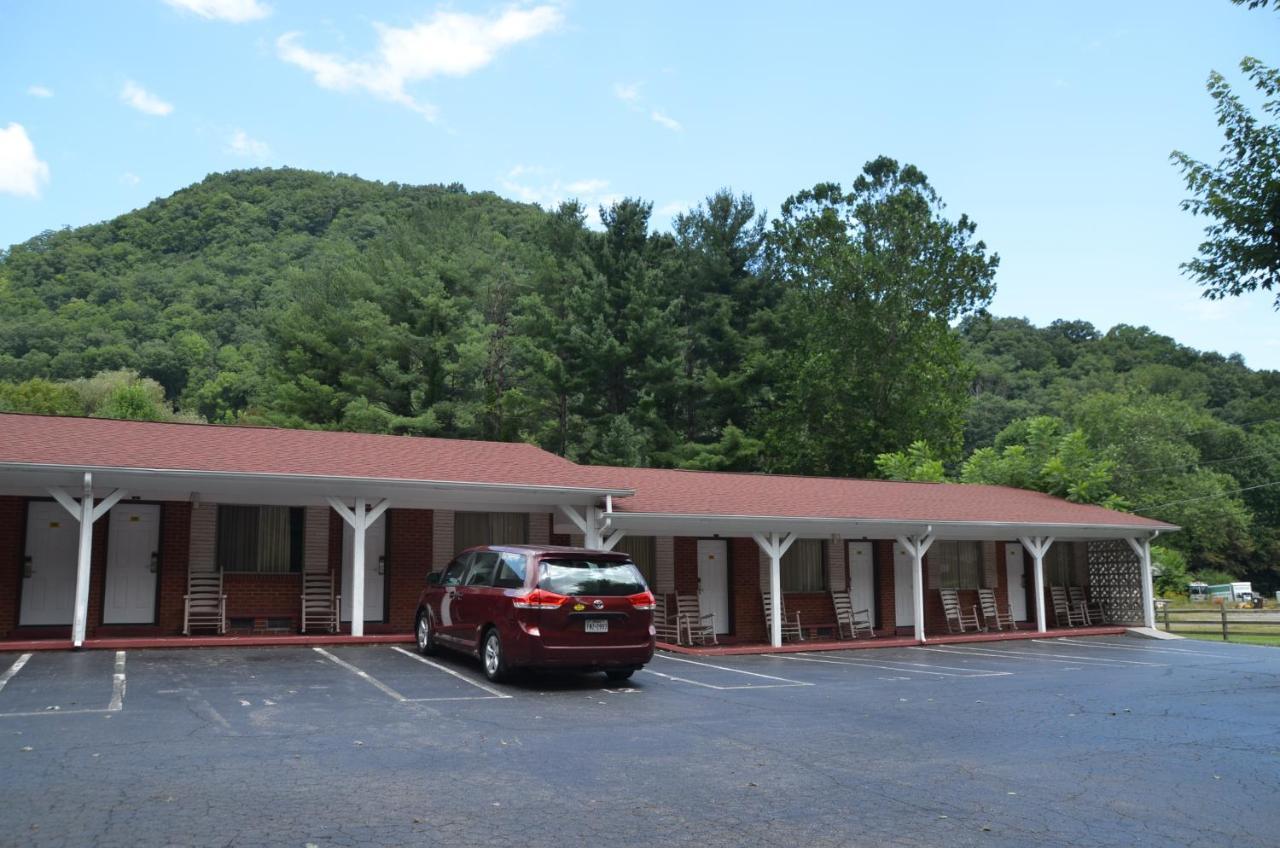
{"x": 453, "y": 574}
{"x": 511, "y": 571}
{"x": 483, "y": 564}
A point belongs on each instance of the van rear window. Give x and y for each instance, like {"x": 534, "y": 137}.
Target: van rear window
{"x": 590, "y": 577}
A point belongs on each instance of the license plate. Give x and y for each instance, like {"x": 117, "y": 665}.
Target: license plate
{"x": 597, "y": 625}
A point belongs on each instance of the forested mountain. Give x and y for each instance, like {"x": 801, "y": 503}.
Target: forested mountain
{"x": 848, "y": 335}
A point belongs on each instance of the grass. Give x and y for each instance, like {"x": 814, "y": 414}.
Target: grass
{"x": 1273, "y": 641}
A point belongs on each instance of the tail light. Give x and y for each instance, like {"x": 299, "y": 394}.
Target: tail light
{"x": 539, "y": 599}
{"x": 642, "y": 601}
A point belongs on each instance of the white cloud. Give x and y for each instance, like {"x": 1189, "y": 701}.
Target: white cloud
{"x": 21, "y": 172}
{"x": 130, "y": 179}
{"x": 241, "y": 144}
{"x": 591, "y": 193}
{"x": 627, "y": 92}
{"x": 672, "y": 209}
{"x": 666, "y": 121}
{"x": 451, "y": 44}
{"x": 143, "y": 100}
{"x": 39, "y": 91}
{"x": 232, "y": 11}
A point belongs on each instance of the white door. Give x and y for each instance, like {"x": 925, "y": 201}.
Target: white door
{"x": 713, "y": 581}
{"x": 133, "y": 555}
{"x": 1016, "y": 581}
{"x": 375, "y": 569}
{"x": 862, "y": 577}
{"x": 904, "y": 566}
{"x": 49, "y": 572}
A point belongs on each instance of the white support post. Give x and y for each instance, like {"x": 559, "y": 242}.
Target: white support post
{"x": 1142, "y": 548}
{"x": 614, "y": 538}
{"x": 359, "y": 519}
{"x": 917, "y": 546}
{"x": 775, "y": 545}
{"x": 86, "y": 513}
{"x": 1038, "y": 546}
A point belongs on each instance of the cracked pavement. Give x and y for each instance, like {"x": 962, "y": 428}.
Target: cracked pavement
{"x": 1098, "y": 742}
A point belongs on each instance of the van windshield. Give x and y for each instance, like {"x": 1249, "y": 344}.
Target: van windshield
{"x": 590, "y": 577}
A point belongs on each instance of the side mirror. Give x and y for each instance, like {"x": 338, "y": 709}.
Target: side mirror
{"x": 433, "y": 579}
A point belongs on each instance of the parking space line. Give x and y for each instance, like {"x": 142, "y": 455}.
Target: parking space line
{"x": 727, "y": 668}
{"x": 363, "y": 675}
{"x": 13, "y": 669}
{"x": 115, "y": 705}
{"x": 493, "y": 693}
{"x": 117, "y": 685}
{"x": 1113, "y": 646}
{"x": 925, "y": 668}
{"x": 1068, "y": 659}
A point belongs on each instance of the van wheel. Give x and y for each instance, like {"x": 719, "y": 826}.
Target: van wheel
{"x": 425, "y": 634}
{"x": 492, "y": 657}
{"x": 617, "y": 675}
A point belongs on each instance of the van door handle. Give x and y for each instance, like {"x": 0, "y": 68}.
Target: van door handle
{"x": 155, "y": 562}
{"x": 27, "y": 567}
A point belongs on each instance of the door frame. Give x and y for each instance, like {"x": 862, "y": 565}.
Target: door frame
{"x": 102, "y": 591}
{"x": 898, "y": 587}
{"x": 386, "y": 574}
{"x": 1010, "y": 589}
{"x": 875, "y": 577}
{"x": 728, "y": 577}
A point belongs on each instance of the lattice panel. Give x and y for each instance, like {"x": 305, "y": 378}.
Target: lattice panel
{"x": 1115, "y": 578}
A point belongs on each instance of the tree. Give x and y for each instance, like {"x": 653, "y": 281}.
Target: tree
{"x": 916, "y": 464}
{"x": 1046, "y": 455}
{"x": 1241, "y": 193}
{"x": 872, "y": 279}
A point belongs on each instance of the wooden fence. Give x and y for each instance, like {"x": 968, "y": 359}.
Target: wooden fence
{"x": 1228, "y": 622}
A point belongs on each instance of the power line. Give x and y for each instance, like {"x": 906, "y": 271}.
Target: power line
{"x": 1205, "y": 461}
{"x": 1206, "y": 497}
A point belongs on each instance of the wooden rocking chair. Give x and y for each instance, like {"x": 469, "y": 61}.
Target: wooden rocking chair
{"x": 958, "y": 621}
{"x": 205, "y": 606}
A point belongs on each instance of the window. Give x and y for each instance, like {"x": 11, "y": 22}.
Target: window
{"x": 259, "y": 539}
{"x": 1059, "y": 566}
{"x": 489, "y": 528}
{"x": 511, "y": 571}
{"x": 959, "y": 564}
{"x": 590, "y": 577}
{"x": 804, "y": 566}
{"x": 483, "y": 564}
{"x": 453, "y": 574}
{"x": 641, "y": 551}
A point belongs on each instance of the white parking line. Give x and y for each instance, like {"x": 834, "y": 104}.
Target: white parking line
{"x": 1155, "y": 648}
{"x": 925, "y": 668}
{"x": 13, "y": 669}
{"x": 117, "y": 685}
{"x": 783, "y": 682}
{"x": 493, "y": 693}
{"x": 387, "y": 690}
{"x": 1068, "y": 659}
{"x": 115, "y": 705}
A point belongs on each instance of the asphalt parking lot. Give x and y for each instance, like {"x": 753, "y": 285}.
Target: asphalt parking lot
{"x": 1099, "y": 741}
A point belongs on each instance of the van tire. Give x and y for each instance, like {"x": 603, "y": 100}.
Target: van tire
{"x": 424, "y": 634}
{"x": 617, "y": 675}
{"x": 493, "y": 659}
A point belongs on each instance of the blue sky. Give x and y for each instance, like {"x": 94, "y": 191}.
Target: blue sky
{"x": 1050, "y": 124}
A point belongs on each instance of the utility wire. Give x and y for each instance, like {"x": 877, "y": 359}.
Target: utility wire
{"x": 1206, "y": 461}
{"x": 1207, "y": 497}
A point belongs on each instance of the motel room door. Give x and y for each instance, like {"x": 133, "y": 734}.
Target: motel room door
{"x": 133, "y": 556}
{"x": 375, "y": 569}
{"x": 862, "y": 577}
{"x": 49, "y": 570}
{"x": 1016, "y": 581}
{"x": 904, "y": 604}
{"x": 713, "y": 581}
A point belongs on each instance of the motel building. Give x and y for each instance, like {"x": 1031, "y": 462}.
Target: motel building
{"x": 107, "y": 526}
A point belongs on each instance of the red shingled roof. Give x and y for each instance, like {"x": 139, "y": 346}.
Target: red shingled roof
{"x": 104, "y": 443}
{"x": 784, "y": 496}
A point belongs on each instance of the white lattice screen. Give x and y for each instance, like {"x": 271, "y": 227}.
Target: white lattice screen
{"x": 1115, "y": 578}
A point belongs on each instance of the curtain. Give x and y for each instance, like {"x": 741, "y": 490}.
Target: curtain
{"x": 959, "y": 564}
{"x": 273, "y": 539}
{"x": 489, "y": 528}
{"x": 804, "y": 566}
{"x": 237, "y": 538}
{"x": 641, "y": 551}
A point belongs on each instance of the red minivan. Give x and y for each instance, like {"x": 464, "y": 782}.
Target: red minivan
{"x": 540, "y": 606}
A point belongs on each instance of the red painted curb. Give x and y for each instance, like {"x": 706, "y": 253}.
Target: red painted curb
{"x": 888, "y": 642}
{"x": 142, "y": 642}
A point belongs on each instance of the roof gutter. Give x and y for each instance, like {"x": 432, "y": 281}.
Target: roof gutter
{"x": 756, "y": 520}
{"x": 249, "y": 476}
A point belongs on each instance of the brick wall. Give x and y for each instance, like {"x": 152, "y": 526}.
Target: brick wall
{"x": 744, "y": 580}
{"x": 175, "y": 548}
{"x": 409, "y": 557}
{"x": 886, "y": 595}
{"x": 13, "y": 519}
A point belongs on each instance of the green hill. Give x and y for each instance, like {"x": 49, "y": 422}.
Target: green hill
{"x": 322, "y": 300}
